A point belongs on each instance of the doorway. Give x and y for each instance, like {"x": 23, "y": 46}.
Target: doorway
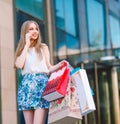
{"x": 101, "y": 79}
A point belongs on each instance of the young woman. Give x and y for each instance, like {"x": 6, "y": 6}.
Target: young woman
{"x": 33, "y": 58}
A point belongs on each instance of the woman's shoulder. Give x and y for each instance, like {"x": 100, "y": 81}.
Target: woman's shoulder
{"x": 44, "y": 46}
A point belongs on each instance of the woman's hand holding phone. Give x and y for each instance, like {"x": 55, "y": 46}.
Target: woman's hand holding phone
{"x": 27, "y": 39}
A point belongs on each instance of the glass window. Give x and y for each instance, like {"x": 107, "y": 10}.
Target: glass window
{"x": 33, "y": 7}
{"x": 65, "y": 16}
{"x": 66, "y": 33}
{"x": 117, "y": 52}
{"x": 115, "y": 31}
{"x": 96, "y": 25}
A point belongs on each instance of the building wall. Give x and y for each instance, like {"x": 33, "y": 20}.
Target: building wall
{"x": 7, "y": 72}
{"x": 8, "y": 107}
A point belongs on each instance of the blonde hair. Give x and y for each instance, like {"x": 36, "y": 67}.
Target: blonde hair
{"x": 22, "y": 42}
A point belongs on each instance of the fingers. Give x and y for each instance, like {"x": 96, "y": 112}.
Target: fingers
{"x": 27, "y": 38}
{"x": 64, "y": 63}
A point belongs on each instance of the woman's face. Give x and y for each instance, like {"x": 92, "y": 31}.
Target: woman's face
{"x": 33, "y": 30}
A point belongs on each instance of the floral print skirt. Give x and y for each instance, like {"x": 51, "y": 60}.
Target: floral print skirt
{"x": 30, "y": 92}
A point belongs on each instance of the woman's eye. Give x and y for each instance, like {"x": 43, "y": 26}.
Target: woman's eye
{"x": 30, "y": 28}
{"x": 37, "y": 29}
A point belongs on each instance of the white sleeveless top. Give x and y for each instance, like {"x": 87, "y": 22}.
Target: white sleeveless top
{"x": 33, "y": 64}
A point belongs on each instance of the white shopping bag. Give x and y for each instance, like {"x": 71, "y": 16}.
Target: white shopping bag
{"x": 65, "y": 110}
{"x": 84, "y": 92}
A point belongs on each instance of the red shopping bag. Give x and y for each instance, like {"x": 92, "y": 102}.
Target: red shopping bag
{"x": 57, "y": 84}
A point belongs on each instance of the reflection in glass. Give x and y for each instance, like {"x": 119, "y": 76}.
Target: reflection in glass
{"x": 65, "y": 16}
{"x": 96, "y": 26}
{"x": 117, "y": 52}
{"x": 33, "y": 7}
{"x": 104, "y": 88}
{"x": 67, "y": 39}
{"x": 119, "y": 84}
{"x": 115, "y": 31}
{"x": 67, "y": 44}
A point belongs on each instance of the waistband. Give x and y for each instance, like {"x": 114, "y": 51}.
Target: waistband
{"x": 37, "y": 74}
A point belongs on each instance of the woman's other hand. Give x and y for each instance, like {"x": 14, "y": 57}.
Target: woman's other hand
{"x": 63, "y": 63}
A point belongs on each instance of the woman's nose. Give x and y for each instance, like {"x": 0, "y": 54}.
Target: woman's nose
{"x": 35, "y": 30}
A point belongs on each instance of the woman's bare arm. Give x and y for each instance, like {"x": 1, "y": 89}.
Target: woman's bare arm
{"x": 20, "y": 60}
{"x": 51, "y": 68}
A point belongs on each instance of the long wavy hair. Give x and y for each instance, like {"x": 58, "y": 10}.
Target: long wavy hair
{"x": 24, "y": 29}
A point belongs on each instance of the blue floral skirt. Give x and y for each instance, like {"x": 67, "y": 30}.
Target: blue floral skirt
{"x": 30, "y": 92}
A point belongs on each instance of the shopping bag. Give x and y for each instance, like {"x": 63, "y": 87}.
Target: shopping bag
{"x": 65, "y": 110}
{"x": 57, "y": 84}
{"x": 86, "y": 101}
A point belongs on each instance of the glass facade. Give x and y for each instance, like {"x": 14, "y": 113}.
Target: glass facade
{"x": 115, "y": 31}
{"x": 68, "y": 46}
{"x": 119, "y": 84}
{"x": 96, "y": 24}
{"x": 115, "y": 34}
{"x": 66, "y": 31}
{"x": 31, "y": 7}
